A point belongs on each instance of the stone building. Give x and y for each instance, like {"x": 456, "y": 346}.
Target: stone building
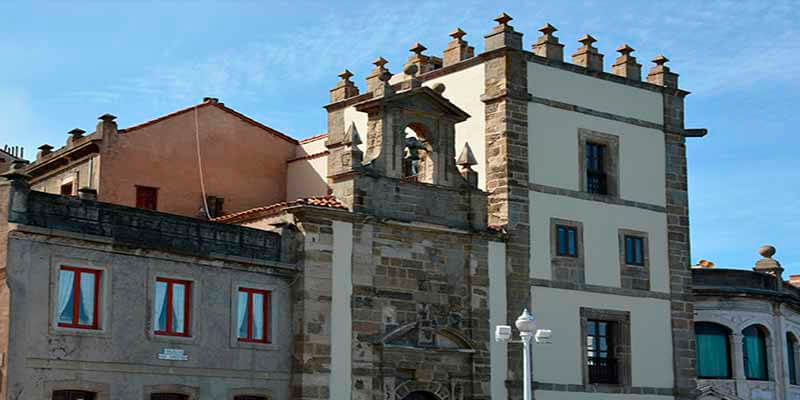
{"x": 441, "y": 201}
{"x": 8, "y": 155}
{"x": 747, "y": 325}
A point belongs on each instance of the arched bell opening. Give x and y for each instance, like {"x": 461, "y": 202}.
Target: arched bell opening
{"x": 418, "y": 164}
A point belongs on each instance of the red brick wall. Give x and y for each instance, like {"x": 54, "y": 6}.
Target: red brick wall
{"x": 241, "y": 162}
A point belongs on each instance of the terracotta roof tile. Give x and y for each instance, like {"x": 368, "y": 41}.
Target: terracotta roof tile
{"x": 321, "y": 201}
{"x": 314, "y": 138}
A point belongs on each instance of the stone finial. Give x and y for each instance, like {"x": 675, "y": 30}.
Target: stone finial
{"x": 625, "y": 65}
{"x": 466, "y": 160}
{"x": 503, "y": 35}
{"x": 418, "y": 49}
{"x": 767, "y": 264}
{"x": 457, "y": 34}
{"x": 458, "y": 49}
{"x": 503, "y": 19}
{"x": 587, "y": 55}
{"x": 373, "y": 79}
{"x": 351, "y": 136}
{"x": 547, "y": 45}
{"x": 345, "y": 88}
{"x": 16, "y": 173}
{"x": 439, "y": 88}
{"x": 345, "y": 75}
{"x": 107, "y": 117}
{"x": 661, "y": 75}
{"x": 411, "y": 71}
{"x": 44, "y": 150}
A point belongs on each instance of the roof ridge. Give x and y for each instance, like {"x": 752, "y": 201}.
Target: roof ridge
{"x": 222, "y": 107}
{"x": 328, "y": 201}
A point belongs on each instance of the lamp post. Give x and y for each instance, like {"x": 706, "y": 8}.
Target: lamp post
{"x": 526, "y": 324}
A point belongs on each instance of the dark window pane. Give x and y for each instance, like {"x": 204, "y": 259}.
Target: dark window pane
{"x": 72, "y": 395}
{"x": 600, "y": 357}
{"x": 168, "y": 396}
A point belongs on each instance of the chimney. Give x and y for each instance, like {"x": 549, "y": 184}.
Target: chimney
{"x": 75, "y": 135}
{"x": 213, "y": 100}
{"x": 661, "y": 75}
{"x": 767, "y": 265}
{"x": 106, "y": 127}
{"x": 587, "y": 55}
{"x": 547, "y": 45}
{"x": 503, "y": 35}
{"x": 345, "y": 89}
{"x": 44, "y": 150}
{"x": 373, "y": 79}
{"x": 458, "y": 49}
{"x": 625, "y": 65}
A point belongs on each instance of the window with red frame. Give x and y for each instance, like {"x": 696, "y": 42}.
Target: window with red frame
{"x": 171, "y": 305}
{"x": 252, "y": 315}
{"x": 146, "y": 197}
{"x": 78, "y": 298}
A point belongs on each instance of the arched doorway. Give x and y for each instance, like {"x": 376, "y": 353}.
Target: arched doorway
{"x": 420, "y": 395}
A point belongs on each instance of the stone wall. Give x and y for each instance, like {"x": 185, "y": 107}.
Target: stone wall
{"x": 147, "y": 229}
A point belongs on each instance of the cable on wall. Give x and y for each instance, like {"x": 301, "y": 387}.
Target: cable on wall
{"x": 200, "y": 164}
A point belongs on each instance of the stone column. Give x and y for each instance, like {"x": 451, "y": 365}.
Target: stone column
{"x": 506, "y": 114}
{"x": 737, "y": 363}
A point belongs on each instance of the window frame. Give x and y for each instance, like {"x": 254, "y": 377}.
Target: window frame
{"x": 634, "y": 240}
{"x": 621, "y": 336}
{"x": 764, "y": 334}
{"x": 76, "y": 281}
{"x": 187, "y": 307}
{"x": 567, "y": 269}
{"x": 600, "y": 150}
{"x": 791, "y": 357}
{"x": 729, "y": 354}
{"x": 140, "y": 189}
{"x": 266, "y": 317}
{"x": 610, "y": 162}
{"x": 634, "y": 276}
{"x": 70, "y": 184}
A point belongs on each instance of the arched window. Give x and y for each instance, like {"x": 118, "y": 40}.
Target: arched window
{"x": 791, "y": 357}
{"x": 713, "y": 346}
{"x": 754, "y": 349}
{"x": 72, "y": 395}
{"x": 417, "y": 164}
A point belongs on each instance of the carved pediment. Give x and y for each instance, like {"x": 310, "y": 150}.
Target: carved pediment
{"x": 422, "y": 334}
{"x": 422, "y": 99}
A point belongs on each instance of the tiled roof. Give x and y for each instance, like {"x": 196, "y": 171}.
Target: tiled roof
{"x": 321, "y": 201}
{"x": 314, "y": 138}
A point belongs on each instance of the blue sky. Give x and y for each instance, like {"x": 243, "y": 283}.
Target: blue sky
{"x": 65, "y": 63}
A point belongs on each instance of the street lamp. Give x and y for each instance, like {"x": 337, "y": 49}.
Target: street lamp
{"x": 526, "y": 324}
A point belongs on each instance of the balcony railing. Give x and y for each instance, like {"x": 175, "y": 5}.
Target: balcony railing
{"x": 602, "y": 370}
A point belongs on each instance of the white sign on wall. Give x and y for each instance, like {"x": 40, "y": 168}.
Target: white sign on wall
{"x": 173, "y": 355}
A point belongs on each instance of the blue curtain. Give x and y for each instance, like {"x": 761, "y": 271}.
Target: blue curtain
{"x": 712, "y": 351}
{"x": 754, "y": 347}
{"x": 66, "y": 281}
{"x": 241, "y": 315}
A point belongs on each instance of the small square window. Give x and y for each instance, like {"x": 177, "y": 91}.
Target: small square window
{"x": 171, "y": 307}
{"x": 252, "y": 315}
{"x": 78, "y": 298}
{"x": 146, "y": 197}
{"x": 566, "y": 241}
{"x": 634, "y": 250}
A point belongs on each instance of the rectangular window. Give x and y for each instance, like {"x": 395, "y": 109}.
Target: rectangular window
{"x": 634, "y": 250}
{"x": 595, "y": 168}
{"x": 66, "y": 189}
{"x": 600, "y": 352}
{"x": 252, "y": 315}
{"x": 566, "y": 241}
{"x": 78, "y": 298}
{"x": 146, "y": 197}
{"x": 171, "y": 307}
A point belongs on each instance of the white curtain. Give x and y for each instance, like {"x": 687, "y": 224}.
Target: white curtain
{"x": 258, "y": 316}
{"x": 87, "y": 299}
{"x": 178, "y": 299}
{"x": 159, "y": 304}
{"x": 241, "y": 315}
{"x": 66, "y": 279}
